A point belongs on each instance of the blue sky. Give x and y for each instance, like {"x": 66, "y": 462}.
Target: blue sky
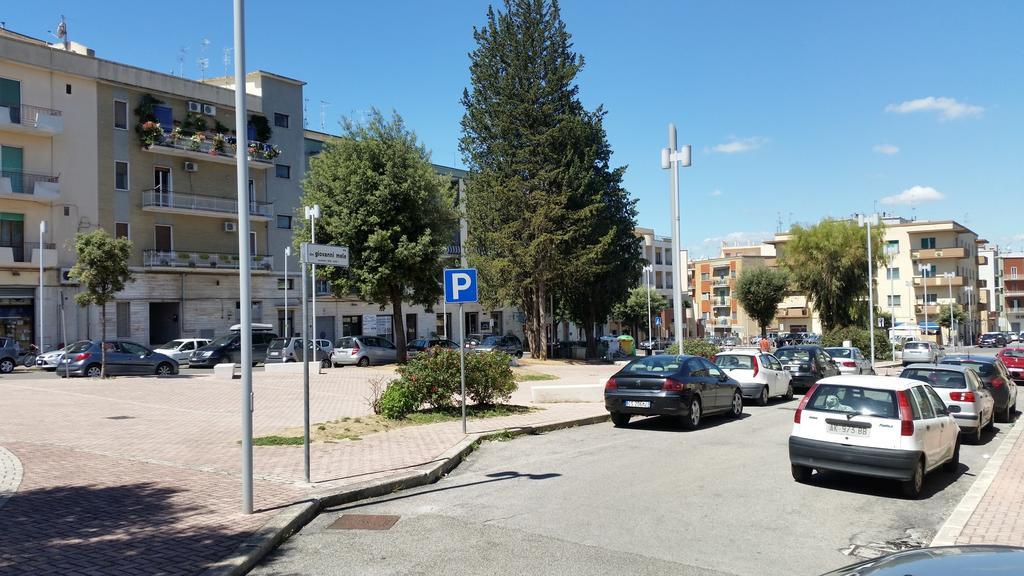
{"x": 795, "y": 110}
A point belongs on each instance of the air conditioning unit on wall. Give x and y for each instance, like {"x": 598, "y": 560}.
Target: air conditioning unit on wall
{"x": 231, "y": 227}
{"x": 209, "y": 109}
{"x": 195, "y": 107}
{"x": 191, "y": 167}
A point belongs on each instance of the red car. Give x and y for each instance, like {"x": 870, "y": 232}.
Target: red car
{"x": 1013, "y": 357}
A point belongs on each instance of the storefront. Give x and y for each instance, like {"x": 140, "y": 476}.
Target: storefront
{"x": 17, "y": 314}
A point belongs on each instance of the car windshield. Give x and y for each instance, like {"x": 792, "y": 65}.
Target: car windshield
{"x": 794, "y": 354}
{"x": 654, "y": 365}
{"x": 735, "y": 361}
{"x": 278, "y": 343}
{"x": 172, "y": 345}
{"x": 839, "y": 352}
{"x": 224, "y": 340}
{"x": 854, "y": 399}
{"x": 491, "y": 341}
{"x": 937, "y": 378}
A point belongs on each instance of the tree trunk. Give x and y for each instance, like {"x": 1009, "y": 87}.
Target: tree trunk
{"x": 764, "y": 330}
{"x": 103, "y": 340}
{"x": 398, "y": 322}
{"x": 588, "y": 330}
{"x": 542, "y": 321}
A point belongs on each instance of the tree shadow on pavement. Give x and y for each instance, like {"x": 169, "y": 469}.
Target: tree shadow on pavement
{"x": 139, "y": 528}
{"x": 674, "y": 424}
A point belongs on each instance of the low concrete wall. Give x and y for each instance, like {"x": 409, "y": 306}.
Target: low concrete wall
{"x": 288, "y": 367}
{"x": 567, "y": 393}
{"x": 225, "y": 371}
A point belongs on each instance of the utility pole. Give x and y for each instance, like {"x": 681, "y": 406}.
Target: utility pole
{"x": 924, "y": 269}
{"x": 869, "y": 220}
{"x": 42, "y": 339}
{"x": 287, "y": 254}
{"x": 672, "y": 158}
{"x": 312, "y": 213}
{"x": 952, "y": 318}
{"x": 647, "y": 274}
{"x": 970, "y": 317}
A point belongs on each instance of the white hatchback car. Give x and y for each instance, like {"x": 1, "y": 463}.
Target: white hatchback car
{"x": 180, "y": 348}
{"x": 874, "y": 426}
{"x": 761, "y": 376}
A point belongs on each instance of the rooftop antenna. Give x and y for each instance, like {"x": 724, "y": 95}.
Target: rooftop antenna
{"x": 778, "y": 222}
{"x": 203, "y": 61}
{"x": 305, "y": 112}
{"x": 62, "y": 32}
{"x": 323, "y": 115}
{"x": 227, "y": 60}
{"x": 182, "y": 50}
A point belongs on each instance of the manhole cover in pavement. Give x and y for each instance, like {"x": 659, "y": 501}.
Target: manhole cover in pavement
{"x": 120, "y": 417}
{"x": 363, "y": 522}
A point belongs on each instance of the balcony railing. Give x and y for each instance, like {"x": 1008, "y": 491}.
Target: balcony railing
{"x": 214, "y": 146}
{"x": 723, "y": 321}
{"x": 1013, "y": 293}
{"x": 29, "y": 184}
{"x": 22, "y": 252}
{"x": 157, "y": 199}
{"x": 939, "y": 253}
{"x": 195, "y": 259}
{"x": 722, "y": 302}
{"x": 791, "y": 312}
{"x": 938, "y": 281}
{"x": 29, "y": 118}
{"x": 720, "y": 281}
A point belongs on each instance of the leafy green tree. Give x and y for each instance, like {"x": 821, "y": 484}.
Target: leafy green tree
{"x": 525, "y": 136}
{"x": 102, "y": 271}
{"x": 379, "y": 195}
{"x": 695, "y": 347}
{"x": 759, "y": 291}
{"x": 828, "y": 263}
{"x": 633, "y": 311}
{"x": 959, "y": 316}
{"x": 603, "y": 268}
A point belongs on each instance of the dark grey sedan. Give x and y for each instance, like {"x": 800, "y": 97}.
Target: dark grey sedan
{"x": 688, "y": 387}
{"x": 123, "y": 358}
{"x": 941, "y": 561}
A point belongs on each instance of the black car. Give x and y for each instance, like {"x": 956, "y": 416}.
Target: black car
{"x": 688, "y": 387}
{"x": 992, "y": 340}
{"x": 227, "y": 349}
{"x": 421, "y": 345}
{"x": 807, "y": 364}
{"x": 941, "y": 561}
{"x": 996, "y": 379}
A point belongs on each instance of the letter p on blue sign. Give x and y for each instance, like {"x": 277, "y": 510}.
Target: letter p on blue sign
{"x": 460, "y": 285}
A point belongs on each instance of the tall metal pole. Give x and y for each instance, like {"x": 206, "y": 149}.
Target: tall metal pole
{"x": 287, "y": 254}
{"x": 672, "y": 158}
{"x": 970, "y": 316}
{"x": 892, "y": 308}
{"x": 462, "y": 364}
{"x": 952, "y": 318}
{"x": 924, "y": 282}
{"x": 245, "y": 259}
{"x": 305, "y": 369}
{"x": 650, "y": 333}
{"x": 42, "y": 340}
{"x": 871, "y": 295}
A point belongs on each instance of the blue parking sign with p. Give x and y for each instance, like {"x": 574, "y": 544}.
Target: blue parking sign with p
{"x": 460, "y": 285}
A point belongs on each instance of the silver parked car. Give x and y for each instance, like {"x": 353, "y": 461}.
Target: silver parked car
{"x": 921, "y": 352}
{"x": 180, "y": 348}
{"x": 290, "y": 350}
{"x": 123, "y": 358}
{"x": 510, "y": 345}
{"x": 850, "y": 360}
{"x": 363, "y": 351}
{"x": 959, "y": 385}
{"x": 48, "y": 361}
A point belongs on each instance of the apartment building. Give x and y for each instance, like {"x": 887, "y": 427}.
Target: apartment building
{"x": 1011, "y": 267}
{"x": 719, "y": 311}
{"x": 657, "y": 251}
{"x": 48, "y": 173}
{"x": 990, "y": 290}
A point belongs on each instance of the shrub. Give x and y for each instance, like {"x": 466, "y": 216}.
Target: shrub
{"x": 433, "y": 376}
{"x": 695, "y": 347}
{"x": 398, "y": 400}
{"x": 489, "y": 378}
{"x": 860, "y": 338}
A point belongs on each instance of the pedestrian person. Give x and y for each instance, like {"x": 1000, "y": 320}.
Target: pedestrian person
{"x": 765, "y": 346}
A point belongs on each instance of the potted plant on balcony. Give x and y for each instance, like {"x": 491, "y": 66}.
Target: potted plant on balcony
{"x": 196, "y": 141}
{"x": 184, "y": 257}
{"x": 151, "y": 133}
{"x": 219, "y": 144}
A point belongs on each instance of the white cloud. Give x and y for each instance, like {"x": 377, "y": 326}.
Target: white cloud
{"x": 887, "y": 149}
{"x": 736, "y": 145}
{"x": 914, "y": 195}
{"x": 716, "y": 193}
{"x": 737, "y": 238}
{"x": 947, "y": 108}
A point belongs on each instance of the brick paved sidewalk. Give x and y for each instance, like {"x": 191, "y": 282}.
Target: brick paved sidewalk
{"x": 998, "y": 517}
{"x": 142, "y": 475}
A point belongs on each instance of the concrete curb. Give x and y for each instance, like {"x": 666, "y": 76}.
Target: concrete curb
{"x": 292, "y": 518}
{"x": 11, "y": 473}
{"x": 950, "y": 531}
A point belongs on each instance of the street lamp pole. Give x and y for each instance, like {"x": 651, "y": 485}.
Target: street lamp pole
{"x": 970, "y": 317}
{"x": 312, "y": 213}
{"x": 42, "y": 340}
{"x": 672, "y": 158}
{"x": 923, "y": 268}
{"x": 869, "y": 220}
{"x": 647, "y": 275}
{"x": 892, "y": 309}
{"x": 952, "y": 318}
{"x": 287, "y": 254}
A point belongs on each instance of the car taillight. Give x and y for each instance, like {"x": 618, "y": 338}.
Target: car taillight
{"x": 997, "y": 382}
{"x": 849, "y": 364}
{"x": 82, "y": 356}
{"x": 814, "y": 368}
{"x": 671, "y": 385}
{"x": 755, "y": 367}
{"x": 355, "y": 349}
{"x": 961, "y": 396}
{"x": 803, "y": 402}
{"x": 611, "y": 384}
{"x": 906, "y": 416}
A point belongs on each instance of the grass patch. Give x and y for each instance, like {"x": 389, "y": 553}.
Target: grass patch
{"x": 277, "y": 441}
{"x": 349, "y": 429}
{"x": 523, "y": 376}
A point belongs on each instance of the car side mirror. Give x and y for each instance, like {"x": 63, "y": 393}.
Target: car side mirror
{"x": 953, "y": 409}
{"x": 723, "y": 377}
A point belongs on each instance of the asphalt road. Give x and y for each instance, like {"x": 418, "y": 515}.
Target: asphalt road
{"x": 649, "y": 499}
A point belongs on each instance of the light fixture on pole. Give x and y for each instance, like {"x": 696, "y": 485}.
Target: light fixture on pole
{"x": 647, "y": 274}
{"x": 312, "y": 213}
{"x": 868, "y": 221}
{"x": 287, "y": 254}
{"x": 890, "y": 254}
{"x": 970, "y": 317}
{"x": 952, "y": 318}
{"x": 671, "y": 159}
{"x": 42, "y": 340}
{"x": 925, "y": 269}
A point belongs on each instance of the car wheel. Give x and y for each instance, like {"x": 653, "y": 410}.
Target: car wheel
{"x": 164, "y": 369}
{"x": 620, "y": 420}
{"x": 912, "y": 488}
{"x": 801, "y": 474}
{"x": 953, "y": 464}
{"x": 737, "y": 405}
{"x": 789, "y": 391}
{"x": 519, "y": 353}
{"x": 975, "y": 436}
{"x": 325, "y": 363}
{"x": 363, "y": 362}
{"x": 692, "y": 420}
{"x": 762, "y": 400}
{"x": 991, "y": 420}
{"x": 6, "y": 366}
{"x": 93, "y": 371}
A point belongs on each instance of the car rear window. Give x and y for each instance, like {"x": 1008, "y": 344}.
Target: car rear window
{"x": 1014, "y": 352}
{"x": 654, "y": 365}
{"x": 845, "y": 399}
{"x": 735, "y": 361}
{"x": 983, "y": 368}
{"x": 839, "y": 352}
{"x": 915, "y": 346}
{"x": 794, "y": 354}
{"x": 277, "y": 343}
{"x": 937, "y": 378}
{"x": 344, "y": 343}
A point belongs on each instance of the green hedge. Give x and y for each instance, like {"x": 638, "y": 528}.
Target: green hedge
{"x": 860, "y": 338}
{"x": 695, "y": 347}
